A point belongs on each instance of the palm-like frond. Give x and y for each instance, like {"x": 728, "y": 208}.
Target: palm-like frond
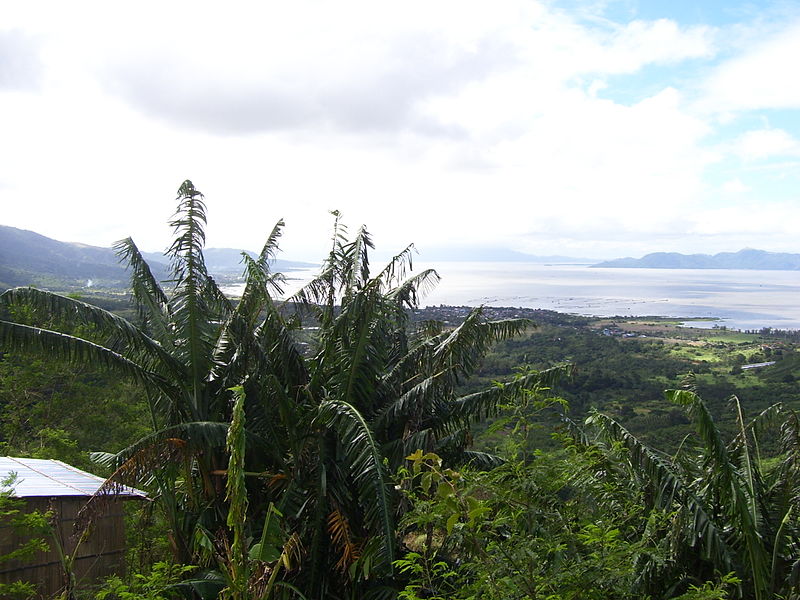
{"x": 485, "y": 403}
{"x": 355, "y": 262}
{"x": 736, "y": 494}
{"x": 413, "y": 403}
{"x": 365, "y": 464}
{"x": 412, "y": 289}
{"x": 667, "y": 486}
{"x": 121, "y": 337}
{"x": 462, "y": 348}
{"x": 342, "y": 537}
{"x": 134, "y": 464}
{"x": 76, "y": 350}
{"x": 151, "y": 301}
{"x": 397, "y": 268}
{"x": 192, "y": 316}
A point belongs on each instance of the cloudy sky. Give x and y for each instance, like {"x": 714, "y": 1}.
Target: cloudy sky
{"x": 586, "y": 128}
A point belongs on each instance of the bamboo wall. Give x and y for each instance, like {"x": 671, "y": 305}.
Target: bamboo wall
{"x": 101, "y": 554}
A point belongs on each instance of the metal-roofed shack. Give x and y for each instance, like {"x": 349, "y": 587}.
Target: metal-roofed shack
{"x": 51, "y": 485}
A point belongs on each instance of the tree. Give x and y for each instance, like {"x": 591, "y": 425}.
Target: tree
{"x": 322, "y": 423}
{"x": 33, "y": 525}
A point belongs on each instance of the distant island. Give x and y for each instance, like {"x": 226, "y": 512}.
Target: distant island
{"x": 744, "y": 259}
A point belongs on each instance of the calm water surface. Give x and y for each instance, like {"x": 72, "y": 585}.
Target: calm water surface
{"x": 741, "y": 299}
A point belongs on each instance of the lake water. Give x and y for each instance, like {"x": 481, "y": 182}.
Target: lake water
{"x": 741, "y": 299}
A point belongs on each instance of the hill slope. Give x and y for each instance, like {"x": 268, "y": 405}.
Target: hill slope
{"x": 28, "y": 258}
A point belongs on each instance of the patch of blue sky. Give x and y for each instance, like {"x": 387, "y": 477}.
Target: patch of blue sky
{"x": 717, "y": 13}
{"x": 694, "y": 12}
{"x": 786, "y": 119}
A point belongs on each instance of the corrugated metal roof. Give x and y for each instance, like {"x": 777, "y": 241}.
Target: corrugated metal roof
{"x": 52, "y": 478}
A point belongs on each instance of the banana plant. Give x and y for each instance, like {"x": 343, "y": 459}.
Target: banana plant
{"x": 325, "y": 425}
{"x": 731, "y": 511}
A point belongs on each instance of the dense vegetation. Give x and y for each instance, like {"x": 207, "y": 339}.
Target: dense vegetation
{"x": 325, "y": 447}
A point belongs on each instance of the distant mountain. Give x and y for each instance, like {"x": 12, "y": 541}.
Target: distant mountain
{"x": 228, "y": 261}
{"x": 28, "y": 258}
{"x": 744, "y": 259}
{"x": 493, "y": 254}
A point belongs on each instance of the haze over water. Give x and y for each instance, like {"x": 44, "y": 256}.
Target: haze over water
{"x": 742, "y": 299}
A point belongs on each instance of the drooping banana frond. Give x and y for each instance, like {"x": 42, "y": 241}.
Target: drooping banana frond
{"x": 396, "y": 269}
{"x": 317, "y": 296}
{"x": 218, "y": 303}
{"x": 408, "y": 293}
{"x": 462, "y": 348}
{"x": 138, "y": 464}
{"x": 147, "y": 454}
{"x": 151, "y": 301}
{"x": 668, "y": 487}
{"x": 364, "y": 461}
{"x": 723, "y": 480}
{"x": 342, "y": 537}
{"x": 485, "y": 403}
{"x": 480, "y": 460}
{"x": 414, "y": 403}
{"x": 126, "y": 339}
{"x": 166, "y": 450}
{"x": 78, "y": 351}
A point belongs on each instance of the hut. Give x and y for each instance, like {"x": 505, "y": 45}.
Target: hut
{"x": 60, "y": 489}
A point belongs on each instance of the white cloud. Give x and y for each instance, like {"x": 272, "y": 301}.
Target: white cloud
{"x": 735, "y": 186}
{"x": 638, "y": 43}
{"x": 766, "y": 143}
{"x": 758, "y": 220}
{"x": 357, "y": 66}
{"x": 760, "y": 77}
{"x": 20, "y": 63}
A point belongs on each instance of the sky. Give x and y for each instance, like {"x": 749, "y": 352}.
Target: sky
{"x": 585, "y": 128}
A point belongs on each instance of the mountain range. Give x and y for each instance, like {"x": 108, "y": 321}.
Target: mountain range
{"x": 748, "y": 258}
